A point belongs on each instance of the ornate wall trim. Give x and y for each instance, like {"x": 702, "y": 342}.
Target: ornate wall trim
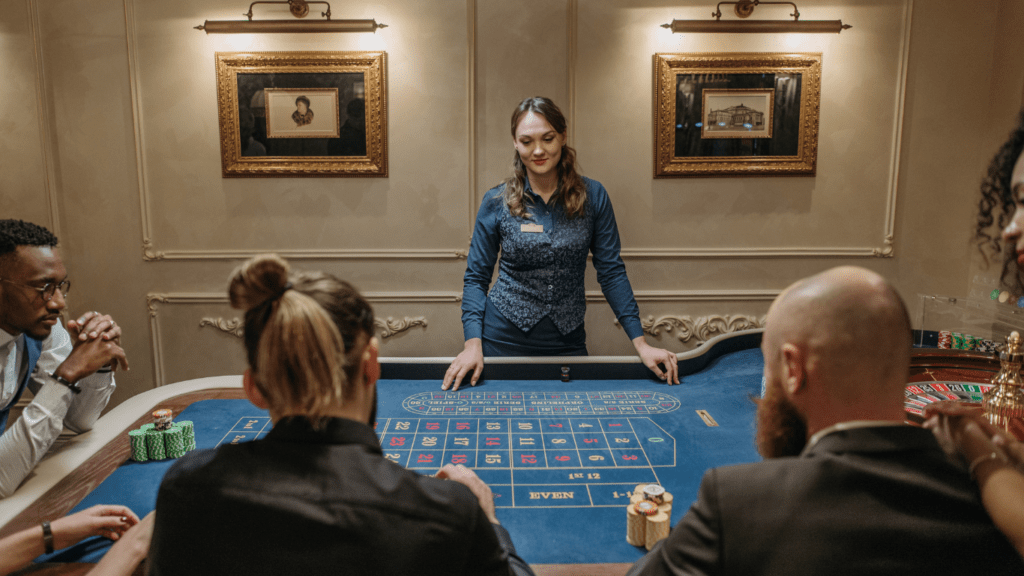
{"x": 388, "y": 327}
{"x": 695, "y": 295}
{"x": 151, "y": 254}
{"x": 471, "y": 203}
{"x": 233, "y": 326}
{"x": 45, "y": 123}
{"x": 700, "y": 328}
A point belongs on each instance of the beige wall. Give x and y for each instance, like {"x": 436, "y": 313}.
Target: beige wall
{"x": 115, "y": 124}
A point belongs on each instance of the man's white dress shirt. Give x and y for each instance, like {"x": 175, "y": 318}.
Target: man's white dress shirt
{"x": 54, "y": 406}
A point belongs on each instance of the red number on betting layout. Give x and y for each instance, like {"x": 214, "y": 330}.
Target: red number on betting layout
{"x": 562, "y": 458}
{"x": 397, "y": 442}
{"x": 462, "y": 426}
{"x": 615, "y": 424}
{"x": 628, "y": 457}
{"x": 555, "y": 425}
{"x": 433, "y": 426}
{"x": 528, "y": 458}
{"x": 425, "y": 458}
{"x": 589, "y": 440}
{"x": 458, "y": 459}
{"x": 492, "y": 442}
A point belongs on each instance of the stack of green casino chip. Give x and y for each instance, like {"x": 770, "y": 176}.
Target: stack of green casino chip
{"x": 188, "y": 434}
{"x": 173, "y": 442}
{"x": 971, "y": 342}
{"x": 959, "y": 341}
{"x": 155, "y": 445}
{"x": 138, "y": 442}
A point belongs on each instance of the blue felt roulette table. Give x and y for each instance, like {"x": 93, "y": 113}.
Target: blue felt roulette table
{"x": 561, "y": 442}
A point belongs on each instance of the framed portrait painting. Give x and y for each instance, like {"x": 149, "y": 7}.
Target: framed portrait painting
{"x": 302, "y": 113}
{"x": 736, "y": 114}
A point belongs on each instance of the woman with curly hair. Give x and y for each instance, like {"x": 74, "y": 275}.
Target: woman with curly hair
{"x": 543, "y": 219}
{"x": 1002, "y": 206}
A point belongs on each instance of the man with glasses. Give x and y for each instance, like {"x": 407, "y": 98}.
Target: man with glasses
{"x": 69, "y": 371}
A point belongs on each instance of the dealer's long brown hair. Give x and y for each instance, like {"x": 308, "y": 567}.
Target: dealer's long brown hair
{"x": 571, "y": 192}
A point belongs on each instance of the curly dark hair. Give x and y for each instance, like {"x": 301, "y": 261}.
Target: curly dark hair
{"x": 14, "y": 233}
{"x": 996, "y": 207}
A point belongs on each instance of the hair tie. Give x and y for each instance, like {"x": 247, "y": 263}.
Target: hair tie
{"x": 287, "y": 286}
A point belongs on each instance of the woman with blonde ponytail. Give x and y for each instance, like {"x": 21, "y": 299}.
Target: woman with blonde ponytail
{"x": 317, "y": 495}
{"x": 543, "y": 220}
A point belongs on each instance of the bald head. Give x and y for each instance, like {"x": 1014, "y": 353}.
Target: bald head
{"x": 853, "y": 334}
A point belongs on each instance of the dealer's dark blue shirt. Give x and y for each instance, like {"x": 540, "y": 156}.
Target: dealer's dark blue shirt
{"x": 542, "y": 273}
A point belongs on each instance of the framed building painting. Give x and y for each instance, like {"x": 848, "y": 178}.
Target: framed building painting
{"x": 735, "y": 114}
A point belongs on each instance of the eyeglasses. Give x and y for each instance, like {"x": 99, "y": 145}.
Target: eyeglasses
{"x": 48, "y": 290}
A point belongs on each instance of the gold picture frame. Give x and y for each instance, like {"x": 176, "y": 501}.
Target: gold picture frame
{"x": 327, "y": 110}
{"x": 786, "y": 85}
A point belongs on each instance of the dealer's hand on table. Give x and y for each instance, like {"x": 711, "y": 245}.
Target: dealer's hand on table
{"x": 652, "y": 357}
{"x": 480, "y": 489}
{"x": 109, "y": 521}
{"x": 471, "y": 358}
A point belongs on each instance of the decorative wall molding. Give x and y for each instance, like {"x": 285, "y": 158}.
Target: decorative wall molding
{"x": 46, "y": 143}
{"x": 233, "y": 326}
{"x": 700, "y": 328}
{"x": 150, "y": 254}
{"x": 471, "y": 203}
{"x": 695, "y": 295}
{"x": 388, "y": 327}
{"x": 761, "y": 253}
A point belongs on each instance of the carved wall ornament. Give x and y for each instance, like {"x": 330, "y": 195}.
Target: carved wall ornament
{"x": 888, "y": 251}
{"x": 232, "y": 326}
{"x": 390, "y": 327}
{"x": 387, "y": 328}
{"x": 701, "y": 328}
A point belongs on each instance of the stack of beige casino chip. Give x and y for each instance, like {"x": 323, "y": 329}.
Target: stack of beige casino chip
{"x": 648, "y": 515}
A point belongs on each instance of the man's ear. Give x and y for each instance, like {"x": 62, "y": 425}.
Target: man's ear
{"x": 371, "y": 366}
{"x": 794, "y": 367}
{"x": 252, "y": 392}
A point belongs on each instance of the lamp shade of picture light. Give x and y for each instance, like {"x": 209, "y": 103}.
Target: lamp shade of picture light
{"x": 288, "y": 26}
{"x": 756, "y": 26}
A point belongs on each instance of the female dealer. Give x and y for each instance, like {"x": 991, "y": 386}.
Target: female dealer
{"x": 544, "y": 218}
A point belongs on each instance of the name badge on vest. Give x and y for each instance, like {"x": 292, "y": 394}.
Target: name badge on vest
{"x": 531, "y": 227}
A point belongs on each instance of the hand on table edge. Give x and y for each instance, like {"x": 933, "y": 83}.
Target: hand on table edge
{"x": 652, "y": 356}
{"x": 471, "y": 357}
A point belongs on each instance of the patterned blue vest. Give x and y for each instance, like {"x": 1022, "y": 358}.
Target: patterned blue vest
{"x": 35, "y": 348}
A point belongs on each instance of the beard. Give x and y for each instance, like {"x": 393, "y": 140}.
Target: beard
{"x": 781, "y": 429}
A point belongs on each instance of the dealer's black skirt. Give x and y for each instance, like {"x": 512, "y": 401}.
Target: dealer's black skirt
{"x": 503, "y": 338}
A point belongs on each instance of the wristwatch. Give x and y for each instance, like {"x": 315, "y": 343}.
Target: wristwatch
{"x": 72, "y": 385}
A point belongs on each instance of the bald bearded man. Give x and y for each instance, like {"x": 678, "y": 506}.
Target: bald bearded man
{"x": 846, "y": 487}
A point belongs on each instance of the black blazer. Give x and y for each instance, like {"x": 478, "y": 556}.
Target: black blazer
{"x": 309, "y": 502}
{"x": 863, "y": 501}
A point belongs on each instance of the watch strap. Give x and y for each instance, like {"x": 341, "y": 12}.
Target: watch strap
{"x": 64, "y": 382}
{"x": 47, "y": 537}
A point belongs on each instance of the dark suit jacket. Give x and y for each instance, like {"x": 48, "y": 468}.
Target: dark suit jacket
{"x": 302, "y": 501}
{"x": 880, "y": 500}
